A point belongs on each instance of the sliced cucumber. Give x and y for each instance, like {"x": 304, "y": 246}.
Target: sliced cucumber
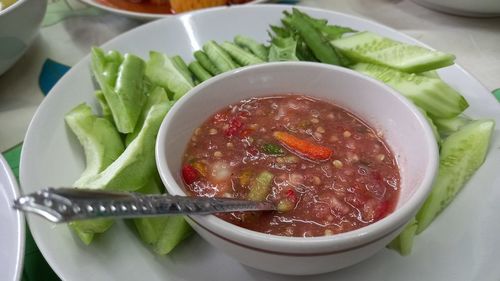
{"x": 403, "y": 243}
{"x": 433, "y": 95}
{"x": 450, "y": 125}
{"x": 462, "y": 153}
{"x": 372, "y": 48}
{"x": 102, "y": 145}
{"x": 165, "y": 72}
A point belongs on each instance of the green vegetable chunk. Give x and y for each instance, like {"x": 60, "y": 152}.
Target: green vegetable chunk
{"x": 156, "y": 96}
{"x": 149, "y": 229}
{"x": 241, "y": 56}
{"x": 448, "y": 126}
{"x": 403, "y": 243}
{"x": 219, "y": 57}
{"x": 175, "y": 230}
{"x": 203, "y": 59}
{"x": 101, "y": 142}
{"x": 102, "y": 145}
{"x": 372, "y": 48}
{"x": 125, "y": 97}
{"x": 462, "y": 153}
{"x": 181, "y": 65}
{"x": 162, "y": 233}
{"x": 106, "y": 111}
{"x": 199, "y": 72}
{"x": 256, "y": 48}
{"x": 136, "y": 164}
{"x": 167, "y": 73}
{"x": 260, "y": 187}
{"x": 433, "y": 95}
{"x": 272, "y": 149}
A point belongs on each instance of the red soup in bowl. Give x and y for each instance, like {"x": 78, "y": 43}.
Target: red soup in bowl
{"x": 326, "y": 169}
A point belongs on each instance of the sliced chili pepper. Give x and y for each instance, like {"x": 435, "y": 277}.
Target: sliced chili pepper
{"x": 306, "y": 148}
{"x": 189, "y": 174}
{"x": 235, "y": 126}
{"x": 220, "y": 117}
{"x": 290, "y": 195}
{"x": 246, "y": 132}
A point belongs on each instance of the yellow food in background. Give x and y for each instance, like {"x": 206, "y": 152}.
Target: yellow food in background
{"x": 6, "y": 3}
{"x": 179, "y": 6}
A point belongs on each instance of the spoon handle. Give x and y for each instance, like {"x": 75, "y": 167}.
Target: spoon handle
{"x": 69, "y": 204}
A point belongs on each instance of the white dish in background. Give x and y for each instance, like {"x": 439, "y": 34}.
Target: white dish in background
{"x": 462, "y": 244}
{"x": 19, "y": 24}
{"x": 139, "y": 15}
{"x": 472, "y": 8}
{"x": 12, "y": 230}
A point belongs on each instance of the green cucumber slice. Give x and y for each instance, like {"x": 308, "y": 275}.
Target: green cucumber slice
{"x": 165, "y": 72}
{"x": 372, "y": 48}
{"x": 462, "y": 153}
{"x": 403, "y": 243}
{"x": 102, "y": 145}
{"x": 122, "y": 86}
{"x": 448, "y": 126}
{"x": 433, "y": 95}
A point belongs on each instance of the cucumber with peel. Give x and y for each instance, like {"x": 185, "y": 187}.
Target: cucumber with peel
{"x": 462, "y": 153}
{"x": 448, "y": 126}
{"x": 163, "y": 71}
{"x": 403, "y": 243}
{"x": 102, "y": 145}
{"x": 433, "y": 95}
{"x": 372, "y": 48}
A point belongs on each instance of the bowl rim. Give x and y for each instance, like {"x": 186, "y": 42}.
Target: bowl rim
{"x": 287, "y": 245}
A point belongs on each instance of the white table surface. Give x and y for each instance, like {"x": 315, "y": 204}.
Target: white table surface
{"x": 474, "y": 41}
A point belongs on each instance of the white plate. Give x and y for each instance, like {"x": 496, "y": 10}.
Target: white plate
{"x": 138, "y": 15}
{"x": 12, "y": 227}
{"x": 462, "y": 244}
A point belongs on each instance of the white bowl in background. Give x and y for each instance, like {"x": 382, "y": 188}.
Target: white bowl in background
{"x": 19, "y": 24}
{"x": 404, "y": 128}
{"x": 473, "y": 8}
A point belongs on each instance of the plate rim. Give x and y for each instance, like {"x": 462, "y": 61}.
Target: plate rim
{"x": 178, "y": 17}
{"x": 145, "y": 16}
{"x": 14, "y": 191}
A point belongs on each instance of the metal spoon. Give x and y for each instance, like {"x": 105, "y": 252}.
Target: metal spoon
{"x": 69, "y": 204}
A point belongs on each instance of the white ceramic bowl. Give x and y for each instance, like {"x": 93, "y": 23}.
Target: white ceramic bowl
{"x": 473, "y": 8}
{"x": 19, "y": 24}
{"x": 405, "y": 130}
